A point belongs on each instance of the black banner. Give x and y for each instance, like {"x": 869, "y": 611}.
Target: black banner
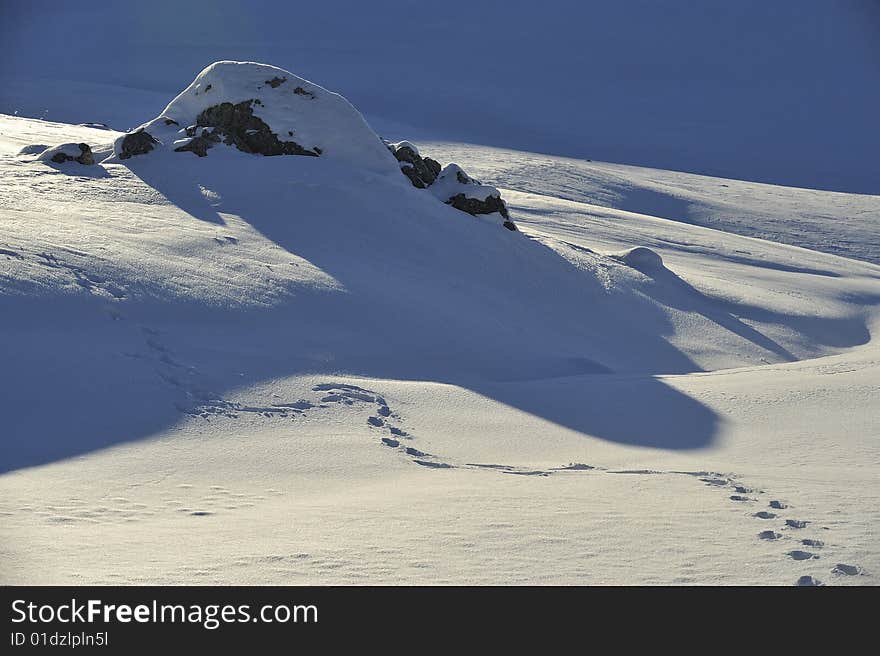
{"x": 122, "y": 619}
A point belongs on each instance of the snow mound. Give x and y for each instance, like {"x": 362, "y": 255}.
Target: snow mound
{"x": 261, "y": 109}
{"x": 640, "y": 258}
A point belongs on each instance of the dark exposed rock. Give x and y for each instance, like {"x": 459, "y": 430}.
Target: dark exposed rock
{"x": 137, "y": 143}
{"x": 412, "y": 174}
{"x": 276, "y": 82}
{"x": 477, "y": 206}
{"x": 171, "y": 121}
{"x": 85, "y": 157}
{"x": 304, "y": 92}
{"x": 433, "y": 165}
{"x": 237, "y": 126}
{"x": 199, "y": 145}
{"x": 421, "y": 172}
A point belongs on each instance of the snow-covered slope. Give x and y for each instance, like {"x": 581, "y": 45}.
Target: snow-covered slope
{"x": 837, "y": 223}
{"x": 317, "y": 372}
{"x": 287, "y": 344}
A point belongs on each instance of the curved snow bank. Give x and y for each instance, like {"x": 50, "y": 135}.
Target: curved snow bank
{"x": 264, "y": 109}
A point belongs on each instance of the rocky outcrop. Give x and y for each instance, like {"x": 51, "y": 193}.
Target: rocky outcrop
{"x": 139, "y": 142}
{"x": 451, "y": 185}
{"x": 264, "y": 110}
{"x": 421, "y": 171}
{"x": 455, "y": 187}
{"x": 236, "y": 125}
{"x": 489, "y": 205}
{"x": 200, "y": 144}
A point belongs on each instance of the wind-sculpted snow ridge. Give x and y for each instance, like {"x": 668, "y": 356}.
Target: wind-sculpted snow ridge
{"x": 264, "y": 110}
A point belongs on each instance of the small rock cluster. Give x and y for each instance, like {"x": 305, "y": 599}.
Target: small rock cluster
{"x": 69, "y": 152}
{"x": 450, "y": 184}
{"x": 422, "y": 172}
{"x": 139, "y": 142}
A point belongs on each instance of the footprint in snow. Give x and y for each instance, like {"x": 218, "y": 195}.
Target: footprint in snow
{"x": 849, "y": 570}
{"x": 801, "y": 555}
{"x": 796, "y": 523}
{"x": 433, "y": 465}
{"x": 778, "y": 505}
{"x": 818, "y": 544}
{"x": 808, "y": 581}
{"x": 769, "y": 535}
{"x": 763, "y": 514}
{"x": 574, "y": 466}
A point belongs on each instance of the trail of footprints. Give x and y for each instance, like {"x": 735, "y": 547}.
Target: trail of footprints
{"x": 387, "y": 423}
{"x": 811, "y": 547}
{"x": 785, "y": 528}
{"x": 205, "y": 404}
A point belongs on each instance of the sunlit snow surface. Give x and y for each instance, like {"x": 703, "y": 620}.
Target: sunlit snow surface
{"x": 297, "y": 371}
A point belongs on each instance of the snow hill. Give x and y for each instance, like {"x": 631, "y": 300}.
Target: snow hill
{"x": 318, "y": 371}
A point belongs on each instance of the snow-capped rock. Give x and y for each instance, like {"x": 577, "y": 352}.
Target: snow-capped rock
{"x": 422, "y": 172}
{"x": 139, "y": 142}
{"x": 266, "y": 110}
{"x": 68, "y": 152}
{"x": 455, "y": 187}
